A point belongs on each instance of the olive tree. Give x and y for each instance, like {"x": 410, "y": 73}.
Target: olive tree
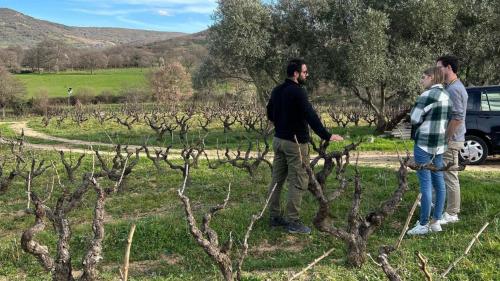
{"x": 241, "y": 45}
{"x": 475, "y": 41}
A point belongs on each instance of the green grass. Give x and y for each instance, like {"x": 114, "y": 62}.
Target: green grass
{"x": 110, "y": 80}
{"x": 164, "y": 247}
{"x": 141, "y": 133}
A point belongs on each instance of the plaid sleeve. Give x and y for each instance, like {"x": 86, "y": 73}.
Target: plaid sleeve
{"x": 419, "y": 110}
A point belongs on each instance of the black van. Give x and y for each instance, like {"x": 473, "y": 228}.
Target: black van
{"x": 483, "y": 124}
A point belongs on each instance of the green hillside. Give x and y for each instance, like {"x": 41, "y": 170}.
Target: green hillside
{"x": 110, "y": 80}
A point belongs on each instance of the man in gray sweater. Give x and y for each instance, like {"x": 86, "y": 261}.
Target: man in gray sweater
{"x": 455, "y": 134}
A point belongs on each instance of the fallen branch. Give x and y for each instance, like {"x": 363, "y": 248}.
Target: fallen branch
{"x": 326, "y": 254}
{"x": 430, "y": 166}
{"x": 383, "y": 259}
{"x": 423, "y": 265}
{"x": 476, "y": 237}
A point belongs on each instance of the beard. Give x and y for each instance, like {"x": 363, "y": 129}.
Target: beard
{"x": 301, "y": 81}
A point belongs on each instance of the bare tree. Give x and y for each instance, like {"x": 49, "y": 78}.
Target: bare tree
{"x": 359, "y": 228}
{"x": 6, "y": 180}
{"x": 182, "y": 118}
{"x": 121, "y": 164}
{"x": 128, "y": 116}
{"x": 338, "y": 115}
{"x": 92, "y": 60}
{"x": 101, "y": 115}
{"x": 207, "y": 115}
{"x": 160, "y": 122}
{"x": 10, "y": 89}
{"x": 171, "y": 83}
{"x": 61, "y": 265}
{"x": 248, "y": 160}
{"x": 226, "y": 113}
{"x": 208, "y": 238}
{"x": 69, "y": 166}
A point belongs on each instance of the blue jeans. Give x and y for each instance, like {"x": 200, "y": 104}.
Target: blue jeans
{"x": 429, "y": 180}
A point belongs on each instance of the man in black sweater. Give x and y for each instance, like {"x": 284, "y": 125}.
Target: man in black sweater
{"x": 291, "y": 112}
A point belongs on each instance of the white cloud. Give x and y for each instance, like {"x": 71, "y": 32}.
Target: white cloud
{"x": 189, "y": 26}
{"x": 105, "y": 12}
{"x": 163, "y": 12}
{"x": 107, "y": 7}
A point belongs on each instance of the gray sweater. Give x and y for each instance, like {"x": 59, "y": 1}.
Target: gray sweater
{"x": 458, "y": 96}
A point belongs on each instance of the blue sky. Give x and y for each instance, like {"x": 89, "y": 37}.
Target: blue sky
{"x": 162, "y": 15}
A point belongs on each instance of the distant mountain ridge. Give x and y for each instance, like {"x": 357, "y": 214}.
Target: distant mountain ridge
{"x": 19, "y": 29}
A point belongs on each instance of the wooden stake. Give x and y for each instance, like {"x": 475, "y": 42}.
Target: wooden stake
{"x": 408, "y": 219}
{"x": 312, "y": 264}
{"x": 29, "y": 190}
{"x": 127, "y": 253}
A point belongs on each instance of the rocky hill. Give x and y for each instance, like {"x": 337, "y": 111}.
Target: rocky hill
{"x": 25, "y": 31}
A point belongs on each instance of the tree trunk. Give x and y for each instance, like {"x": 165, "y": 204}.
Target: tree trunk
{"x": 3, "y": 112}
{"x": 63, "y": 270}
{"x": 94, "y": 254}
{"x": 381, "y": 124}
{"x": 356, "y": 252}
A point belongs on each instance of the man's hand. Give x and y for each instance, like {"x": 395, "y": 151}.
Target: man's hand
{"x": 336, "y": 138}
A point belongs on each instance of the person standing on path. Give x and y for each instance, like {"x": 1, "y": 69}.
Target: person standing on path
{"x": 430, "y": 117}
{"x": 291, "y": 112}
{"x": 455, "y": 134}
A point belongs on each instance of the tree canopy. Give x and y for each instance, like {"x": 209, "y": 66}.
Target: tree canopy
{"x": 375, "y": 50}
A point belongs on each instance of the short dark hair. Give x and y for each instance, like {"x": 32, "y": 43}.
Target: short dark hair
{"x": 294, "y": 65}
{"x": 449, "y": 60}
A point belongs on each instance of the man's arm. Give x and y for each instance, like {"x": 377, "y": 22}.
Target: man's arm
{"x": 458, "y": 104}
{"x": 452, "y": 128}
{"x": 269, "y": 109}
{"x": 312, "y": 117}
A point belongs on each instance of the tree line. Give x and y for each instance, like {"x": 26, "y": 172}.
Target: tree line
{"x": 55, "y": 55}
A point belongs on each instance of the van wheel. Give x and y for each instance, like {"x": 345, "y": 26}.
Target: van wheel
{"x": 475, "y": 150}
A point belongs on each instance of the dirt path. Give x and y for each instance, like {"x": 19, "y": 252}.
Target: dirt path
{"x": 367, "y": 158}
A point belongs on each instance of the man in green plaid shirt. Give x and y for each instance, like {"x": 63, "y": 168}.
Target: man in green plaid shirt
{"x": 430, "y": 115}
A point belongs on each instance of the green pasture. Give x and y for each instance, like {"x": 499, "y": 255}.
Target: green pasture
{"x": 163, "y": 249}
{"x": 106, "y": 80}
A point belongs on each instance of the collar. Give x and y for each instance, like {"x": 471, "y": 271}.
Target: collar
{"x": 437, "y": 86}
{"x": 290, "y": 81}
{"x": 453, "y": 81}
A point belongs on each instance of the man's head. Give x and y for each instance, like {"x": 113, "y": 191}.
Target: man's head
{"x": 297, "y": 71}
{"x": 448, "y": 65}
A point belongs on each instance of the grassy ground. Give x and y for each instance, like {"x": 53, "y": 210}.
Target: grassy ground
{"x": 164, "y": 250}
{"x": 141, "y": 133}
{"x": 111, "y": 80}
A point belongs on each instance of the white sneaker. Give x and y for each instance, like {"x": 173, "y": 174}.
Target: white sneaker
{"x": 419, "y": 229}
{"x": 436, "y": 227}
{"x": 447, "y": 218}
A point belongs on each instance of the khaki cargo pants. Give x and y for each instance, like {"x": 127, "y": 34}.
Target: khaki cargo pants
{"x": 451, "y": 178}
{"x": 287, "y": 164}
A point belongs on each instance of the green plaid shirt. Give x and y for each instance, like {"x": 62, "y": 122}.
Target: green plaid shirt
{"x": 430, "y": 117}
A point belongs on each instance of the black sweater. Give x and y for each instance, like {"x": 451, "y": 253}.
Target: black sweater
{"x": 290, "y": 111}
